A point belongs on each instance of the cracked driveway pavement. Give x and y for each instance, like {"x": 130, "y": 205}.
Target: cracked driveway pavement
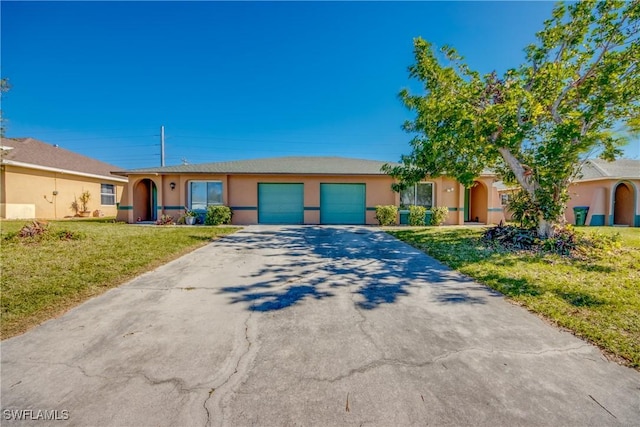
{"x": 310, "y": 326}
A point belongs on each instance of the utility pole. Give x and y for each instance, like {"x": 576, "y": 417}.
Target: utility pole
{"x": 161, "y": 145}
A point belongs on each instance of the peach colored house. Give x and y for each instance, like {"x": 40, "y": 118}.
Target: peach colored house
{"x": 39, "y": 180}
{"x": 610, "y": 191}
{"x": 296, "y": 190}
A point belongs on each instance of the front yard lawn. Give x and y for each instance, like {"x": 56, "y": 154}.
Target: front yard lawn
{"x": 597, "y": 298}
{"x": 42, "y": 279}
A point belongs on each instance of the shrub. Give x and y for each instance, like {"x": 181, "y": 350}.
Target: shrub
{"x": 39, "y": 231}
{"x": 387, "y": 215}
{"x": 522, "y": 209}
{"x": 416, "y": 215}
{"x": 562, "y": 243}
{"x": 217, "y": 215}
{"x": 604, "y": 241}
{"x": 439, "y": 215}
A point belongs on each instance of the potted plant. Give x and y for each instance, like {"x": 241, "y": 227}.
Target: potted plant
{"x": 85, "y": 197}
{"x": 190, "y": 217}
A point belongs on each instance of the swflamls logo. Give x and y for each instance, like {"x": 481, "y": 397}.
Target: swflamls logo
{"x": 35, "y": 414}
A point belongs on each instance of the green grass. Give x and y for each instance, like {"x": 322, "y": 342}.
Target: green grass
{"x": 597, "y": 297}
{"x": 42, "y": 280}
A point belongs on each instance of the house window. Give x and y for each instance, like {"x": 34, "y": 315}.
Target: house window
{"x": 504, "y": 199}
{"x": 107, "y": 194}
{"x": 420, "y": 194}
{"x": 204, "y": 193}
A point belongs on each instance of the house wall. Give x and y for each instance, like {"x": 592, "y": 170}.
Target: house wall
{"x": 243, "y": 194}
{"x": 28, "y": 193}
{"x": 599, "y": 195}
{"x": 240, "y": 192}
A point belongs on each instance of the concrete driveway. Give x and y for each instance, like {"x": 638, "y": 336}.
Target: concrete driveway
{"x": 309, "y": 326}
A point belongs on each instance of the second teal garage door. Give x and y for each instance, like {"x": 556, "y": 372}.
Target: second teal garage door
{"x": 280, "y": 203}
{"x": 342, "y": 203}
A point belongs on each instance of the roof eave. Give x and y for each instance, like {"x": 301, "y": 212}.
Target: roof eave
{"x": 62, "y": 171}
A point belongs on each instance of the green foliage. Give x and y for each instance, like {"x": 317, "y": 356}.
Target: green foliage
{"x": 563, "y": 242}
{"x": 387, "y": 215}
{"x": 536, "y": 123}
{"x": 522, "y": 209}
{"x": 439, "y": 215}
{"x": 85, "y": 198}
{"x": 603, "y": 241}
{"x": 217, "y": 215}
{"x": 416, "y": 215}
{"x": 191, "y": 213}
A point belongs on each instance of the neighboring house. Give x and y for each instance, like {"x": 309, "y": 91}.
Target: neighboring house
{"x": 39, "y": 180}
{"x": 296, "y": 190}
{"x": 609, "y": 189}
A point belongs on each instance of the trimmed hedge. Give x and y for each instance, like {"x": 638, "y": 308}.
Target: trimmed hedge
{"x": 387, "y": 215}
{"x": 416, "y": 215}
{"x": 217, "y": 215}
{"x": 439, "y": 215}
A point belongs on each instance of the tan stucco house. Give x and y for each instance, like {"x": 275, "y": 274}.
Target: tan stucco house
{"x": 40, "y": 180}
{"x": 296, "y": 190}
{"x": 610, "y": 191}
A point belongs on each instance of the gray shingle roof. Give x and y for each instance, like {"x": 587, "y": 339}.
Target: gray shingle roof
{"x": 34, "y": 152}
{"x": 277, "y": 165}
{"x": 598, "y": 168}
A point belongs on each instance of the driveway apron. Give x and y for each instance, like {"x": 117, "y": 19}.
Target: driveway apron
{"x": 309, "y": 325}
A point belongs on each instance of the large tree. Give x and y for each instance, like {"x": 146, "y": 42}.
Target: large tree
{"x": 535, "y": 124}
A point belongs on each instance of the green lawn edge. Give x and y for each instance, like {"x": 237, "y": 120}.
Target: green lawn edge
{"x": 42, "y": 280}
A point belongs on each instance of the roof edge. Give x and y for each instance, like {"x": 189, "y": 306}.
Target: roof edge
{"x": 64, "y": 171}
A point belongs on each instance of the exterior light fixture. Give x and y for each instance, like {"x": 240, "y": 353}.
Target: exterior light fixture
{"x": 172, "y": 185}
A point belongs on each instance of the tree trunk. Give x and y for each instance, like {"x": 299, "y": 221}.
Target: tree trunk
{"x": 545, "y": 228}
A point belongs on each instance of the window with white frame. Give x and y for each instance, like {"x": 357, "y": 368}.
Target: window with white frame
{"x": 204, "y": 193}
{"x": 420, "y": 194}
{"x": 504, "y": 199}
{"x": 107, "y": 194}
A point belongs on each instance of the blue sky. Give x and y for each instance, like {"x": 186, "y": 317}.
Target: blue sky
{"x": 236, "y": 80}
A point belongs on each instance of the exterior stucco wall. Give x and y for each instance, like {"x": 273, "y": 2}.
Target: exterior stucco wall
{"x": 29, "y": 193}
{"x": 243, "y": 194}
{"x": 599, "y": 196}
{"x": 240, "y": 192}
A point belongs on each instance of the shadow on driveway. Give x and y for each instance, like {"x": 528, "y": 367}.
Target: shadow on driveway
{"x": 311, "y": 261}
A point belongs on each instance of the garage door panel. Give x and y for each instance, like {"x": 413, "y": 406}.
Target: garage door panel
{"x": 280, "y": 203}
{"x": 342, "y": 203}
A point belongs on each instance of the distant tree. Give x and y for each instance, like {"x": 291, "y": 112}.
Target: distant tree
{"x": 535, "y": 124}
{"x": 4, "y": 87}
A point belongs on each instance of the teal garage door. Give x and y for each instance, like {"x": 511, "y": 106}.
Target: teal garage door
{"x": 280, "y": 203}
{"x": 342, "y": 203}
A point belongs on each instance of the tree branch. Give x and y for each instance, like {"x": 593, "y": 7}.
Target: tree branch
{"x": 519, "y": 171}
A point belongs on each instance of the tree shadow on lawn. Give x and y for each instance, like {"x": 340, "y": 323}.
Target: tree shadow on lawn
{"x": 312, "y": 262}
{"x": 510, "y": 286}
